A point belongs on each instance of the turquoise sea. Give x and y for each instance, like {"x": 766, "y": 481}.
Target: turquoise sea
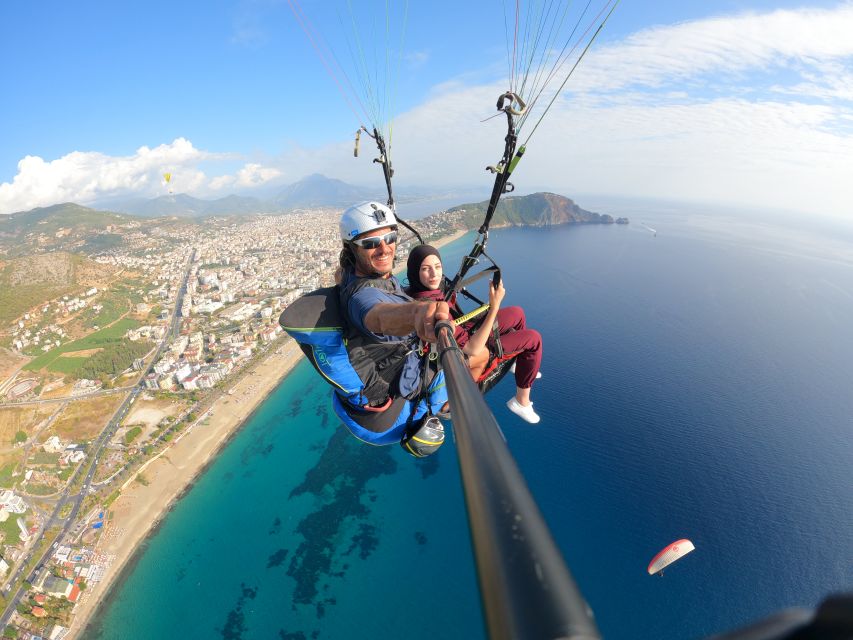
{"x": 696, "y": 383}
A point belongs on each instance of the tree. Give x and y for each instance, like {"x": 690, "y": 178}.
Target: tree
{"x": 10, "y": 632}
{"x": 20, "y": 436}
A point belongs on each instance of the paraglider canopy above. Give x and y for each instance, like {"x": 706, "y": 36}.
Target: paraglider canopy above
{"x": 670, "y": 554}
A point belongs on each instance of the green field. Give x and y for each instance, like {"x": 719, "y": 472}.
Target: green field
{"x": 114, "y": 307}
{"x": 116, "y": 301}
{"x": 6, "y": 471}
{"x": 131, "y": 434}
{"x": 106, "y": 336}
{"x": 9, "y": 528}
{"x": 67, "y": 365}
{"x": 43, "y": 457}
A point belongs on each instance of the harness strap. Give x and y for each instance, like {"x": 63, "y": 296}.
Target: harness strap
{"x": 496, "y": 335}
{"x": 470, "y": 316}
{"x": 478, "y": 276}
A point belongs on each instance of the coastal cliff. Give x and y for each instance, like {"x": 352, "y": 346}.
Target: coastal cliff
{"x": 534, "y": 210}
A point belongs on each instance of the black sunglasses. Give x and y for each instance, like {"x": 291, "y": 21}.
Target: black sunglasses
{"x": 372, "y": 242}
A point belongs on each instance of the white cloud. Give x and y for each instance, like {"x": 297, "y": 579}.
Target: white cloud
{"x": 726, "y": 150}
{"x": 88, "y": 176}
{"x": 723, "y": 45}
{"x": 752, "y": 109}
{"x": 251, "y": 175}
{"x": 254, "y": 175}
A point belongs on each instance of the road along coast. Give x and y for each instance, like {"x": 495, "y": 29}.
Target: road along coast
{"x": 140, "y": 506}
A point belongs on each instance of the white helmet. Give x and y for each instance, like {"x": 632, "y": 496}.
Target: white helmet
{"x": 364, "y": 217}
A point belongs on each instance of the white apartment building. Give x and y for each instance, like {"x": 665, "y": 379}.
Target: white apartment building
{"x": 12, "y": 502}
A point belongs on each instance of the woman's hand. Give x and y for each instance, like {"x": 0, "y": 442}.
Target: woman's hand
{"x": 496, "y": 294}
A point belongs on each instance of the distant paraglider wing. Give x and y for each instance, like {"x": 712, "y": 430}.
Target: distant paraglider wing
{"x": 670, "y": 554}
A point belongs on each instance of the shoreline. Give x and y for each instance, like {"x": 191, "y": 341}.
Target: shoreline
{"x": 139, "y": 509}
{"x": 448, "y": 239}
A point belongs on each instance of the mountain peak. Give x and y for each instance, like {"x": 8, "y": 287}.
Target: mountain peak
{"x": 316, "y": 190}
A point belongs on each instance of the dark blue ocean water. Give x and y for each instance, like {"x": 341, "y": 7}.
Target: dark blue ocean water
{"x": 697, "y": 383}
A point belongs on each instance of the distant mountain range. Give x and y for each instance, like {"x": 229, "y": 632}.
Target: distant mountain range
{"x": 312, "y": 191}
{"x": 73, "y": 228}
{"x": 183, "y": 206}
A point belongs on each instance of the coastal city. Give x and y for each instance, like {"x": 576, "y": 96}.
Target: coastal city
{"x": 127, "y": 342}
{"x": 421, "y": 320}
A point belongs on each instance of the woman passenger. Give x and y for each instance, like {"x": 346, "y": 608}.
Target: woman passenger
{"x": 427, "y": 282}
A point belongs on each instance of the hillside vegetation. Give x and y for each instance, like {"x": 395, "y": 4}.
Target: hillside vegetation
{"x": 104, "y": 340}
{"x": 536, "y": 210}
{"x": 33, "y": 280}
{"x": 61, "y": 227}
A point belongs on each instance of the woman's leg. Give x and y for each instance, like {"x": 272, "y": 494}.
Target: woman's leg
{"x": 511, "y": 319}
{"x": 527, "y": 343}
{"x": 477, "y": 363}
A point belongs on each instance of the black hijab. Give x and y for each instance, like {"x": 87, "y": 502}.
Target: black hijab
{"x": 413, "y": 265}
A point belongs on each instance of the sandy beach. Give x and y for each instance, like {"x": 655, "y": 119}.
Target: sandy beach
{"x": 135, "y": 513}
{"x": 448, "y": 239}
{"x": 140, "y": 507}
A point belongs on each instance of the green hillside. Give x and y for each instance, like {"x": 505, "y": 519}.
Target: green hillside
{"x": 61, "y": 227}
{"x": 537, "y": 209}
{"x": 27, "y": 282}
{"x": 59, "y": 216}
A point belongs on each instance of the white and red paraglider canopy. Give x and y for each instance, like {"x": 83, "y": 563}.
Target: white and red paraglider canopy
{"x": 669, "y": 554}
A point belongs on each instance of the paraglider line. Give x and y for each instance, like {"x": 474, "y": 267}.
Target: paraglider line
{"x": 307, "y": 28}
{"x": 514, "y": 47}
{"x": 564, "y": 56}
{"x": 575, "y": 66}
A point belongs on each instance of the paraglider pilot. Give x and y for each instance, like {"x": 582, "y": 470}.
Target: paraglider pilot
{"x": 369, "y": 234}
{"x": 387, "y": 338}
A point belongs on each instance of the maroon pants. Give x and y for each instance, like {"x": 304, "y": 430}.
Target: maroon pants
{"x": 516, "y": 338}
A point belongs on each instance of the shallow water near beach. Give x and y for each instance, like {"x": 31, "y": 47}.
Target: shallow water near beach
{"x": 696, "y": 383}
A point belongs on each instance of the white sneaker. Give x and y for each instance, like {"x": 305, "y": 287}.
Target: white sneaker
{"x": 512, "y": 370}
{"x": 525, "y": 413}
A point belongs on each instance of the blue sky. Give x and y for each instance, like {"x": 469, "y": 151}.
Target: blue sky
{"x": 747, "y": 102}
